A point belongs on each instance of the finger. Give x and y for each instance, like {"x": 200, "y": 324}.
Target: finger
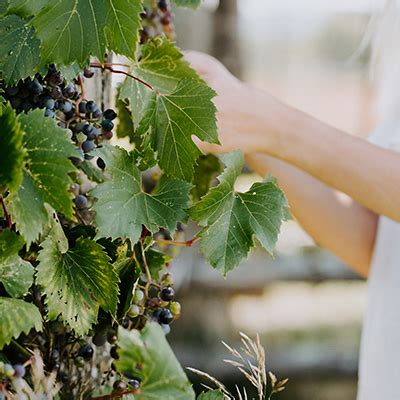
{"x": 206, "y": 147}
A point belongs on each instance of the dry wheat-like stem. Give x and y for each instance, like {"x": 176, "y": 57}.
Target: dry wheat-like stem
{"x": 250, "y": 361}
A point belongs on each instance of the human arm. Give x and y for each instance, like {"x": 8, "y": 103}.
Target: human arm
{"x": 332, "y": 219}
{"x": 254, "y": 121}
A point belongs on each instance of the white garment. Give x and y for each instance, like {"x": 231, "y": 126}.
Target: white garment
{"x": 379, "y": 368}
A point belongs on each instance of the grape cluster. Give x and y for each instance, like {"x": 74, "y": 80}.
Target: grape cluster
{"x": 8, "y": 371}
{"x": 63, "y": 101}
{"x": 158, "y": 305}
{"x": 157, "y": 21}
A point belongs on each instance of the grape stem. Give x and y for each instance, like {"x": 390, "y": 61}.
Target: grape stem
{"x": 187, "y": 243}
{"x": 6, "y": 213}
{"x": 115, "y": 71}
{"x": 146, "y": 266}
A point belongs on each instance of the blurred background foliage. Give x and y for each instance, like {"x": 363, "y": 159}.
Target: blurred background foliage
{"x": 305, "y": 304}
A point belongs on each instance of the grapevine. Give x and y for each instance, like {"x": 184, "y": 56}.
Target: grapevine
{"x": 86, "y": 292}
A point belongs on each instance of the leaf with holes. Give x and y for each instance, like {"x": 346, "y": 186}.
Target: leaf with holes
{"x": 19, "y": 49}
{"x": 16, "y": 317}
{"x": 147, "y": 354}
{"x": 12, "y": 152}
{"x": 73, "y": 30}
{"x": 46, "y": 178}
{"x": 231, "y": 219}
{"x": 172, "y": 119}
{"x": 122, "y": 206}
{"x": 16, "y": 275}
{"x": 76, "y": 281}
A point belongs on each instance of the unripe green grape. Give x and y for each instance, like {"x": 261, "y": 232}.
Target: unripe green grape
{"x": 175, "y": 308}
{"x": 134, "y": 311}
{"x": 138, "y": 296}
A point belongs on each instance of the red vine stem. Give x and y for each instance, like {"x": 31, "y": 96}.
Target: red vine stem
{"x": 187, "y": 243}
{"x": 115, "y": 71}
{"x": 115, "y": 395}
{"x": 82, "y": 95}
{"x": 6, "y": 213}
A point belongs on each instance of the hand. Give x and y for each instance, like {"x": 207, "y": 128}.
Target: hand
{"x": 244, "y": 113}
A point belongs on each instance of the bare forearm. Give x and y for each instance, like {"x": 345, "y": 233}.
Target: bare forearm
{"x": 333, "y": 220}
{"x": 367, "y": 173}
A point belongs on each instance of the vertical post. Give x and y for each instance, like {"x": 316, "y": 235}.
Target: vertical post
{"x": 225, "y": 44}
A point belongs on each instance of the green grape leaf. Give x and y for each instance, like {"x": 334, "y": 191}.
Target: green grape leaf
{"x": 231, "y": 219}
{"x": 187, "y": 3}
{"x": 122, "y": 206}
{"x": 162, "y": 66}
{"x": 3, "y": 6}
{"x": 173, "y": 119}
{"x": 92, "y": 172}
{"x": 17, "y": 316}
{"x": 11, "y": 151}
{"x": 15, "y": 274}
{"x": 73, "y": 30}
{"x": 211, "y": 395}
{"x": 125, "y": 127}
{"x": 28, "y": 210}
{"x": 208, "y": 166}
{"x": 76, "y": 281}
{"x": 19, "y": 49}
{"x": 46, "y": 178}
{"x": 147, "y": 354}
{"x": 25, "y": 8}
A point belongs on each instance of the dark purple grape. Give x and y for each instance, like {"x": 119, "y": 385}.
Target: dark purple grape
{"x": 88, "y": 146}
{"x": 97, "y": 114}
{"x": 110, "y": 114}
{"x": 114, "y": 353}
{"x": 56, "y": 92}
{"x": 107, "y": 135}
{"x": 49, "y": 113}
{"x": 55, "y": 79}
{"x": 166, "y": 19}
{"x": 69, "y": 91}
{"x": 19, "y": 371}
{"x": 112, "y": 338}
{"x": 99, "y": 340}
{"x": 100, "y": 163}
{"x": 167, "y": 293}
{"x": 163, "y": 5}
{"x": 26, "y": 106}
{"x": 134, "y": 383}
{"x": 12, "y": 90}
{"x": 89, "y": 131}
{"x": 91, "y": 106}
{"x": 88, "y": 73}
{"x": 82, "y": 107}
{"x": 15, "y": 102}
{"x": 120, "y": 386}
{"x": 165, "y": 317}
{"x": 65, "y": 106}
{"x": 81, "y": 202}
{"x": 107, "y": 125}
{"x": 35, "y": 87}
{"x": 23, "y": 92}
{"x": 48, "y": 103}
{"x": 86, "y": 351}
